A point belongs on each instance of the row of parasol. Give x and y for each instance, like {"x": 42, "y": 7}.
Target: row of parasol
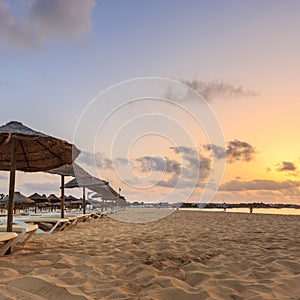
{"x": 24, "y": 149}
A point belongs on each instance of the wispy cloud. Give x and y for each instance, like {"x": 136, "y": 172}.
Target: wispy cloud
{"x": 95, "y": 160}
{"x": 219, "y": 89}
{"x": 43, "y": 21}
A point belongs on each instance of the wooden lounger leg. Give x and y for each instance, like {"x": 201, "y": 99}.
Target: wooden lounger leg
{"x": 28, "y": 236}
{"x": 63, "y": 226}
{"x": 18, "y": 238}
{"x": 54, "y": 227}
{"x": 6, "y": 248}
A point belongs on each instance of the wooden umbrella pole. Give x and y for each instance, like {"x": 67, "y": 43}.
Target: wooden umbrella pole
{"x": 83, "y": 201}
{"x": 62, "y": 196}
{"x": 12, "y": 178}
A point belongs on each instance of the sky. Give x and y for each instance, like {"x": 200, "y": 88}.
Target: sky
{"x": 178, "y": 101}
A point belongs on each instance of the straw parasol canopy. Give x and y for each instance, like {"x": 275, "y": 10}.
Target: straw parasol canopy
{"x": 107, "y": 193}
{"x": 24, "y": 149}
{"x": 71, "y": 198}
{"x": 82, "y": 177}
{"x": 19, "y": 199}
{"x": 53, "y": 198}
{"x": 66, "y": 170}
{"x": 40, "y": 200}
{"x": 73, "y": 170}
{"x": 37, "y": 198}
{"x": 35, "y": 151}
{"x": 85, "y": 182}
{"x": 104, "y": 191}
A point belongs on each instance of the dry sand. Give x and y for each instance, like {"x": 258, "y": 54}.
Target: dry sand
{"x": 141, "y": 215}
{"x": 187, "y": 255}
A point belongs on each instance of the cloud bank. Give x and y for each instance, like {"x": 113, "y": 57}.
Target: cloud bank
{"x": 192, "y": 166}
{"x": 44, "y": 20}
{"x": 259, "y": 184}
{"x": 192, "y": 169}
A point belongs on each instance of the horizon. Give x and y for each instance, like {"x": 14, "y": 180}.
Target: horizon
{"x": 158, "y": 96}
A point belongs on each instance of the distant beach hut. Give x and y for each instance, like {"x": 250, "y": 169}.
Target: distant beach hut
{"x": 24, "y": 149}
{"x": 20, "y": 201}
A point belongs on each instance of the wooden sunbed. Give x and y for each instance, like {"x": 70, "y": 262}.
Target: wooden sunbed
{"x": 83, "y": 217}
{"x": 6, "y": 240}
{"x": 74, "y": 218}
{"x": 24, "y": 231}
{"x": 46, "y": 224}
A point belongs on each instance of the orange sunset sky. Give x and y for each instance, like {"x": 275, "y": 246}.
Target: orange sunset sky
{"x": 63, "y": 65}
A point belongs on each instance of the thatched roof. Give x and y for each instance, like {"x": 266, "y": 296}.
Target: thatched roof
{"x": 36, "y": 151}
{"x": 52, "y": 198}
{"x": 18, "y": 199}
{"x": 70, "y": 198}
{"x": 106, "y": 190}
{"x": 37, "y": 198}
{"x": 73, "y": 170}
{"x": 85, "y": 182}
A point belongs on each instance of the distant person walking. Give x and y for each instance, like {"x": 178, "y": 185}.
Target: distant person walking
{"x": 251, "y": 209}
{"x": 224, "y": 206}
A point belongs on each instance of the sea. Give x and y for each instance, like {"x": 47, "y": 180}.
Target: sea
{"x": 273, "y": 211}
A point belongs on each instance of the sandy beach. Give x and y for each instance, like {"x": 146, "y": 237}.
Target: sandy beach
{"x": 187, "y": 255}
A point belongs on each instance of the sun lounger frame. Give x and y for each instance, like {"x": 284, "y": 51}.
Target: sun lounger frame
{"x": 8, "y": 239}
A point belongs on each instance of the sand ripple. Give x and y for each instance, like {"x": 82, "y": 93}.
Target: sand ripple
{"x": 187, "y": 255}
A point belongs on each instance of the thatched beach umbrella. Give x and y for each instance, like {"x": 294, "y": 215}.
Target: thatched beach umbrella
{"x": 54, "y": 200}
{"x": 71, "y": 198}
{"x": 38, "y": 200}
{"x": 105, "y": 190}
{"x": 85, "y": 182}
{"x": 105, "y": 193}
{"x": 19, "y": 200}
{"x": 73, "y": 170}
{"x": 24, "y": 149}
{"x": 65, "y": 170}
{"x": 82, "y": 176}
